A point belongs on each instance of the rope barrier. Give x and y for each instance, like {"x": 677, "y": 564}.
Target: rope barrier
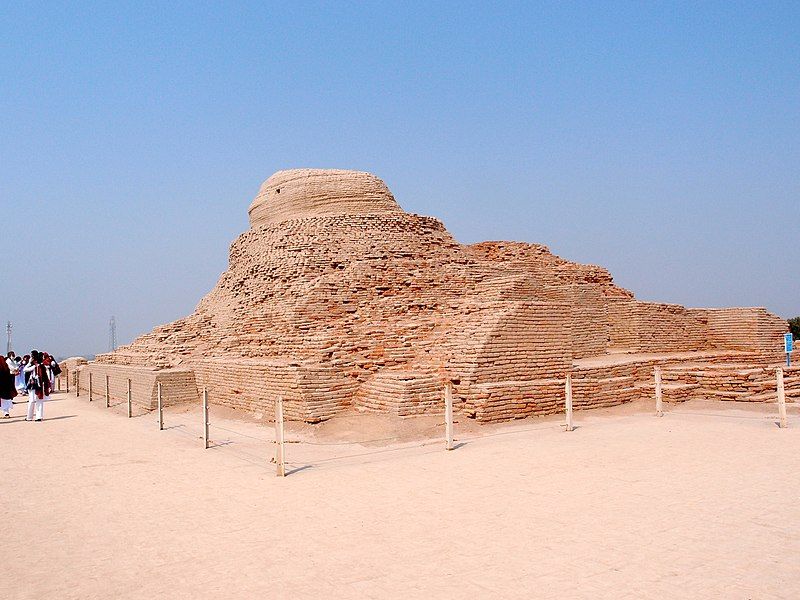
{"x": 261, "y": 461}
{"x": 190, "y": 425}
{"x": 363, "y": 442}
{"x": 240, "y": 433}
{"x": 699, "y": 414}
{"x": 333, "y": 459}
{"x": 184, "y": 432}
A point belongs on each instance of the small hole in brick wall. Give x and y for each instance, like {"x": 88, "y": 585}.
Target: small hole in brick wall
{"x": 277, "y": 190}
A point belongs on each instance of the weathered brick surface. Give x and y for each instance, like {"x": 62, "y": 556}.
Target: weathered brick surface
{"x": 336, "y": 297}
{"x": 177, "y": 385}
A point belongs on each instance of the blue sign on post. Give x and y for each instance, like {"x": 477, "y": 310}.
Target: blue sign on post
{"x": 788, "y": 345}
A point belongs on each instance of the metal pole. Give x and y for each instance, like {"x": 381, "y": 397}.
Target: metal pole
{"x": 448, "y": 415}
{"x": 205, "y": 417}
{"x": 78, "y": 384}
{"x": 68, "y": 382}
{"x": 659, "y": 399}
{"x": 58, "y": 383}
{"x": 90, "y": 386}
{"x": 781, "y": 399}
{"x": 130, "y": 405}
{"x": 568, "y": 400}
{"x": 160, "y": 410}
{"x": 279, "y": 453}
{"x": 108, "y": 394}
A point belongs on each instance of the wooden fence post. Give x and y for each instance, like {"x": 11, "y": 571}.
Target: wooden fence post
{"x": 77, "y": 384}
{"x": 108, "y": 393}
{"x": 781, "y": 399}
{"x": 90, "y": 386}
{"x": 58, "y": 383}
{"x": 130, "y": 400}
{"x": 205, "y": 418}
{"x": 448, "y": 415}
{"x": 160, "y": 409}
{"x": 659, "y": 399}
{"x": 68, "y": 381}
{"x": 568, "y": 399}
{"x": 280, "y": 456}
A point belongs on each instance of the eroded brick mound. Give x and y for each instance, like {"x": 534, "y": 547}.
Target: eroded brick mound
{"x": 336, "y": 297}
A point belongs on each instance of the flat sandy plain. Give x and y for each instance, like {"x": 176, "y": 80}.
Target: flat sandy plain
{"x": 702, "y": 503}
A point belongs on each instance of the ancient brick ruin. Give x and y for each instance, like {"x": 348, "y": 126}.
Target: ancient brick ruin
{"x": 336, "y": 298}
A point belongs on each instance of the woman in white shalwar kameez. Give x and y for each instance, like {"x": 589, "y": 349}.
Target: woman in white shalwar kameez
{"x": 38, "y": 386}
{"x": 19, "y": 381}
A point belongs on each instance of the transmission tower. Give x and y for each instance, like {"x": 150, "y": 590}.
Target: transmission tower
{"x": 112, "y": 334}
{"x": 8, "y": 333}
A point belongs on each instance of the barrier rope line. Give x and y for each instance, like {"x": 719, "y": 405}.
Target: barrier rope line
{"x": 363, "y": 442}
{"x": 192, "y": 430}
{"x": 239, "y": 433}
{"x": 700, "y": 414}
{"x": 409, "y": 446}
{"x": 190, "y": 426}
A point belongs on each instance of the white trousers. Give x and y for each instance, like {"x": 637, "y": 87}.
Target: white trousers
{"x": 5, "y": 405}
{"x": 35, "y": 403}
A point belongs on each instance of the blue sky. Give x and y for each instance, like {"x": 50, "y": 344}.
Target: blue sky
{"x": 660, "y": 140}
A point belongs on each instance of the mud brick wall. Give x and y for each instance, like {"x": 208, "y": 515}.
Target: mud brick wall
{"x": 178, "y": 386}
{"x": 402, "y": 393}
{"x": 623, "y": 332}
{"x": 668, "y": 328}
{"x": 744, "y": 329}
{"x": 310, "y": 393}
{"x": 734, "y": 383}
{"x": 655, "y": 327}
{"x": 503, "y": 401}
{"x": 503, "y": 342}
{"x": 69, "y": 371}
{"x": 596, "y": 387}
{"x": 590, "y": 325}
{"x": 597, "y": 392}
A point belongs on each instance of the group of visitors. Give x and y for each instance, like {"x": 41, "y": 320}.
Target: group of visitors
{"x": 33, "y": 374}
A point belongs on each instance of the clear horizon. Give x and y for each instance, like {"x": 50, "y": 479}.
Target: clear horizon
{"x": 659, "y": 142}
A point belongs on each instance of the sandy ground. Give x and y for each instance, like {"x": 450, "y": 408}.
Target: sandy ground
{"x": 702, "y": 503}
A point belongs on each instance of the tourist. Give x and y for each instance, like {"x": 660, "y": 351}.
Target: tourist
{"x": 56, "y": 370}
{"x": 47, "y": 361}
{"x": 20, "y": 380}
{"x": 38, "y": 387}
{"x": 7, "y": 390}
{"x": 11, "y": 361}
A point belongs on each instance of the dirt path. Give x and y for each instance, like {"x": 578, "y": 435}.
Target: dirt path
{"x": 703, "y": 503}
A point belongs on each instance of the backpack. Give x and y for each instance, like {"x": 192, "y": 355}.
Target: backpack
{"x": 55, "y": 368}
{"x": 34, "y": 385}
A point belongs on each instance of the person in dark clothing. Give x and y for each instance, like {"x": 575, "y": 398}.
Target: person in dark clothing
{"x": 7, "y": 389}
